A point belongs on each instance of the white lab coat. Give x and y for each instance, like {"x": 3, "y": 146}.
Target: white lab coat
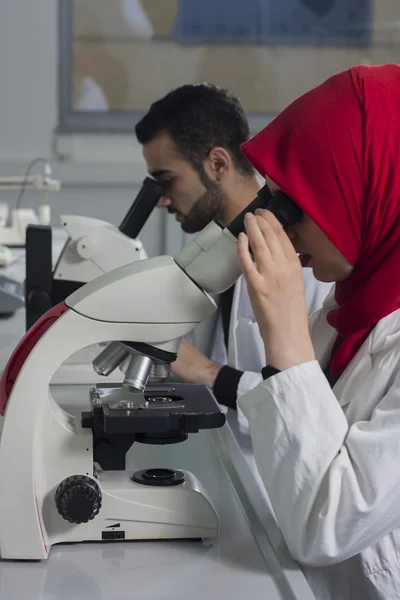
{"x": 330, "y": 462}
{"x": 245, "y": 345}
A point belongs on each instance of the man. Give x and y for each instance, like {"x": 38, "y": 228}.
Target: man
{"x": 191, "y": 142}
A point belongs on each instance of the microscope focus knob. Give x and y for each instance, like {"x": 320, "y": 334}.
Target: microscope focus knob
{"x": 78, "y": 499}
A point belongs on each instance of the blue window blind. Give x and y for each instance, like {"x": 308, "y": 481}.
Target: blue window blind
{"x": 328, "y": 22}
{"x": 218, "y": 21}
{"x": 294, "y": 22}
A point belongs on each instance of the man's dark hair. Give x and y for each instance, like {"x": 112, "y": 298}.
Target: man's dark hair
{"x": 199, "y": 117}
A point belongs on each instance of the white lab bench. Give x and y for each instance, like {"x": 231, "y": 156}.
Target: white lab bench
{"x": 249, "y": 559}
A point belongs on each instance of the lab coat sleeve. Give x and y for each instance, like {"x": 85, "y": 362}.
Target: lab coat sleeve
{"x": 226, "y": 386}
{"x": 251, "y": 379}
{"x": 244, "y": 382}
{"x": 248, "y": 381}
{"x": 335, "y": 489}
{"x": 230, "y": 384}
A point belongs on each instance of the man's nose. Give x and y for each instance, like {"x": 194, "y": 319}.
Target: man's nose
{"x": 163, "y": 202}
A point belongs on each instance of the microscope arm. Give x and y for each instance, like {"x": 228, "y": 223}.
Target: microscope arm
{"x": 151, "y": 302}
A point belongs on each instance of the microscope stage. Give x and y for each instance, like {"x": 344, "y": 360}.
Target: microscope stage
{"x": 162, "y": 408}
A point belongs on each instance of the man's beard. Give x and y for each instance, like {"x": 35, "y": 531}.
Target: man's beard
{"x": 207, "y": 208}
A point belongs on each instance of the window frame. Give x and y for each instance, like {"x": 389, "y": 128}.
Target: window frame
{"x": 114, "y": 122}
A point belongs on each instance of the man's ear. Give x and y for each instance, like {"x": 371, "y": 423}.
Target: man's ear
{"x": 218, "y": 163}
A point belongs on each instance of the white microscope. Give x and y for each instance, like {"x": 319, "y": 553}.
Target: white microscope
{"x": 68, "y": 481}
{"x": 93, "y": 248}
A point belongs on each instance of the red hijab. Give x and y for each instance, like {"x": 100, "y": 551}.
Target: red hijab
{"x": 336, "y": 152}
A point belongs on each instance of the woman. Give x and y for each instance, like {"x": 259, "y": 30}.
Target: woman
{"x": 325, "y": 423}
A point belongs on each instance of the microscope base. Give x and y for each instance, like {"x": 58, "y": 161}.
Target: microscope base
{"x": 132, "y": 511}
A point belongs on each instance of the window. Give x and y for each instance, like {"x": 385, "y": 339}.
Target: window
{"x": 118, "y": 56}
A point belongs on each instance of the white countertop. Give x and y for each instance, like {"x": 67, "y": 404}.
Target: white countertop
{"x": 248, "y": 560}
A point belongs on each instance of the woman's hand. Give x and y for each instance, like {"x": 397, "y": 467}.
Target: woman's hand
{"x": 192, "y": 366}
{"x": 276, "y": 290}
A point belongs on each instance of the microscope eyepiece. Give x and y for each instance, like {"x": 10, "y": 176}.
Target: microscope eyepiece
{"x": 285, "y": 210}
{"x": 136, "y": 217}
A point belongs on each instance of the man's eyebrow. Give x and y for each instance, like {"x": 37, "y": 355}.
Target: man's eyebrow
{"x": 160, "y": 172}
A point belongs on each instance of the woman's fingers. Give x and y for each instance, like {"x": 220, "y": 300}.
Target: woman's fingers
{"x": 244, "y": 254}
{"x": 265, "y": 244}
{"x": 258, "y": 244}
{"x": 272, "y": 249}
{"x": 248, "y": 267}
{"x": 272, "y": 234}
{"x": 286, "y": 245}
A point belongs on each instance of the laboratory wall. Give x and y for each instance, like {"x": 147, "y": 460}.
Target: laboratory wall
{"x": 100, "y": 173}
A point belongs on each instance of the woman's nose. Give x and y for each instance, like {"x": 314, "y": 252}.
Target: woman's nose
{"x": 163, "y": 202}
